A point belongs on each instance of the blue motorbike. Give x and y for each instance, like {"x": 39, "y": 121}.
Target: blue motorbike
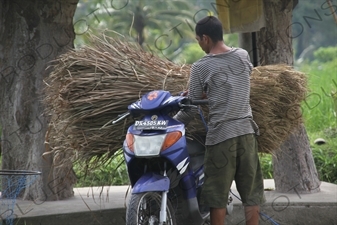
{"x": 165, "y": 167}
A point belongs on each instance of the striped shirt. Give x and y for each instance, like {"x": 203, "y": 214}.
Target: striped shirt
{"x": 225, "y": 78}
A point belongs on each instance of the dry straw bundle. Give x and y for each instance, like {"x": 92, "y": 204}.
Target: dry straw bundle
{"x": 90, "y": 87}
{"x": 276, "y": 94}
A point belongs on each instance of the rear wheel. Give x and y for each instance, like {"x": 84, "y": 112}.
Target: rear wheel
{"x": 144, "y": 209}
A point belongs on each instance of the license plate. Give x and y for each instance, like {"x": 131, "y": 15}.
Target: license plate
{"x": 151, "y": 125}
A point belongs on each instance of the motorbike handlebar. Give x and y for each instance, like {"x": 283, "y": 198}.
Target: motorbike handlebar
{"x": 199, "y": 102}
{"x": 193, "y": 103}
{"x": 190, "y": 103}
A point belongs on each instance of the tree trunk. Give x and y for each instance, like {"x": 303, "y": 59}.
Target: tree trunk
{"x": 294, "y": 168}
{"x": 32, "y": 33}
{"x": 275, "y": 42}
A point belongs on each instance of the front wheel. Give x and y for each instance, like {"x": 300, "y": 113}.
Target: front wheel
{"x": 144, "y": 209}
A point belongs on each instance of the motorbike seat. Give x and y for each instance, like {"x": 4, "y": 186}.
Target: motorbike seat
{"x": 196, "y": 150}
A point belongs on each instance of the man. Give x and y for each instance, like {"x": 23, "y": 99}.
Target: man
{"x": 231, "y": 147}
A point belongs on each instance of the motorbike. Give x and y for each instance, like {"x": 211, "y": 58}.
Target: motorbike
{"x": 165, "y": 167}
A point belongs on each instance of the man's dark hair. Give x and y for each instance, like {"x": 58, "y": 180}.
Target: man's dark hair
{"x": 211, "y": 27}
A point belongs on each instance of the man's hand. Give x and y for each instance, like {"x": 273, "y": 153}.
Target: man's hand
{"x": 184, "y": 93}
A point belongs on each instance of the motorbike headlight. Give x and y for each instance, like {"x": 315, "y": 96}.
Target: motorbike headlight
{"x": 148, "y": 145}
{"x": 151, "y": 145}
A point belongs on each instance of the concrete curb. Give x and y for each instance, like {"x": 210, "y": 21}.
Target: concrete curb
{"x": 97, "y": 206}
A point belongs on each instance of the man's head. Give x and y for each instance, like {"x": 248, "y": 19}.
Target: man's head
{"x": 208, "y": 32}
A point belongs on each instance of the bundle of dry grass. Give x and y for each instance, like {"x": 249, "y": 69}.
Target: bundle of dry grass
{"x": 276, "y": 93}
{"x": 90, "y": 87}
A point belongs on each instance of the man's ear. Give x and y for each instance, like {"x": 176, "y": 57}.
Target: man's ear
{"x": 204, "y": 37}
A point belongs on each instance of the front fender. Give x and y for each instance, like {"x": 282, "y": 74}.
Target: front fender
{"x": 151, "y": 182}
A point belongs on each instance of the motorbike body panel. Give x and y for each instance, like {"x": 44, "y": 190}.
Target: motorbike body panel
{"x": 151, "y": 182}
{"x": 171, "y": 168}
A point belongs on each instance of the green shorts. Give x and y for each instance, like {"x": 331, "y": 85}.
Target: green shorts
{"x": 234, "y": 159}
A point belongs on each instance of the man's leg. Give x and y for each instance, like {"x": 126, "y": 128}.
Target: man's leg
{"x": 249, "y": 182}
{"x": 218, "y": 216}
{"x": 219, "y": 174}
{"x": 252, "y": 215}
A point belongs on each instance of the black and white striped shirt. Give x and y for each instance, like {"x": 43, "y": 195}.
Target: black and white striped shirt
{"x": 225, "y": 78}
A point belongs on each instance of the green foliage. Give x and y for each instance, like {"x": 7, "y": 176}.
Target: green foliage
{"x": 266, "y": 165}
{"x": 319, "y": 108}
{"x": 326, "y": 54}
{"x": 312, "y": 24}
{"x": 190, "y": 54}
{"x": 325, "y": 156}
{"x": 232, "y": 40}
{"x": 159, "y": 26}
{"x": 163, "y": 27}
{"x": 320, "y": 111}
{"x": 108, "y": 173}
{"x": 334, "y": 99}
